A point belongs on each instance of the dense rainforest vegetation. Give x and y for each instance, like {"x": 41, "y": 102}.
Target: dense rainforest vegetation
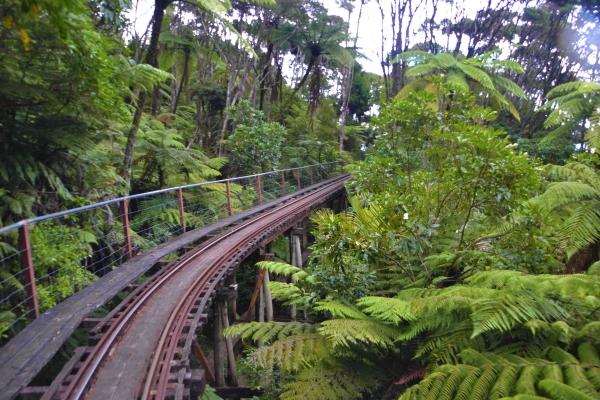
{"x": 467, "y": 265}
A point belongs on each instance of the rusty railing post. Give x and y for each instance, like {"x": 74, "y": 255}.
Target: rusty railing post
{"x": 298, "y": 178}
{"x": 181, "y": 210}
{"x": 259, "y": 189}
{"x": 125, "y": 216}
{"x": 228, "y": 187}
{"x": 310, "y": 172}
{"x": 28, "y": 272}
{"x": 283, "y": 182}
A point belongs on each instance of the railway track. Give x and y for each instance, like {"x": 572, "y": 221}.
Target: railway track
{"x": 141, "y": 349}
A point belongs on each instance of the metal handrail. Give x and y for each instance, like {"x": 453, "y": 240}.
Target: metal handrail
{"x": 140, "y": 195}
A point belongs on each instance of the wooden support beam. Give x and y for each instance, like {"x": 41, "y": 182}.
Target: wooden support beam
{"x": 125, "y": 221}
{"x": 230, "y": 281}
{"x": 204, "y": 362}
{"x": 28, "y": 272}
{"x": 268, "y": 298}
{"x": 296, "y": 258}
{"x": 304, "y": 235}
{"x": 259, "y": 189}
{"x": 228, "y": 189}
{"x": 219, "y": 369}
{"x": 181, "y": 209}
{"x": 233, "y": 380}
{"x": 259, "y": 282}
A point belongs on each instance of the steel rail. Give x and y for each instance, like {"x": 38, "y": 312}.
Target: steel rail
{"x": 177, "y": 319}
{"x": 89, "y": 366}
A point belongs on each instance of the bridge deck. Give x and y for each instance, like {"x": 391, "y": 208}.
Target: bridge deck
{"x": 26, "y": 354}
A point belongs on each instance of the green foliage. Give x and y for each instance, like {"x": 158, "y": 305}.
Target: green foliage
{"x": 255, "y": 142}
{"x": 58, "y": 262}
{"x": 466, "y": 178}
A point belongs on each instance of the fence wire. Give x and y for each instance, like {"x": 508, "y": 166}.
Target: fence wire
{"x": 72, "y": 249}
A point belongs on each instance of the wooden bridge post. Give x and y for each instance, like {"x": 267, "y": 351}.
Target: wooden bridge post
{"x": 267, "y": 292}
{"x": 29, "y": 275}
{"x": 283, "y": 182}
{"x": 228, "y": 188}
{"x": 219, "y": 369}
{"x": 296, "y": 257}
{"x": 125, "y": 218}
{"x": 181, "y": 209}
{"x": 298, "y": 178}
{"x": 310, "y": 172}
{"x": 227, "y": 295}
{"x": 259, "y": 189}
{"x": 231, "y": 283}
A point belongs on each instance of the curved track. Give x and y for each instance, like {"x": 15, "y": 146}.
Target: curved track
{"x": 143, "y": 352}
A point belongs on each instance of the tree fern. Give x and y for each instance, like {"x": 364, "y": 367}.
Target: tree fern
{"x": 482, "y": 70}
{"x": 578, "y": 194}
{"x": 574, "y": 103}
{"x": 489, "y": 376}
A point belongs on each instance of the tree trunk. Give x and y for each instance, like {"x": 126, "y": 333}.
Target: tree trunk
{"x": 152, "y": 60}
{"x": 228, "y": 103}
{"x": 313, "y": 59}
{"x": 183, "y": 80}
{"x": 348, "y": 78}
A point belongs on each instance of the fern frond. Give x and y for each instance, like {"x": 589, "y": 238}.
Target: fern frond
{"x": 560, "y": 391}
{"x": 386, "y": 309}
{"x": 589, "y": 356}
{"x": 477, "y": 75}
{"x": 526, "y": 382}
{"x": 291, "y": 353}
{"x": 463, "y": 391}
{"x": 344, "y": 332}
{"x": 267, "y": 331}
{"x": 338, "y": 309}
{"x": 331, "y": 380}
{"x": 575, "y": 375}
{"x": 582, "y": 228}
{"x": 283, "y": 269}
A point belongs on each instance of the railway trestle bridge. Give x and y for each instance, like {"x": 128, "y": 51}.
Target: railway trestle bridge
{"x": 159, "y": 287}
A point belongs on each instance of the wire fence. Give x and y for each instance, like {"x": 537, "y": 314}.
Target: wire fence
{"x": 46, "y": 259}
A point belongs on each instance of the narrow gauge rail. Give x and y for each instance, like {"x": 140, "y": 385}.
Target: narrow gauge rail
{"x": 131, "y": 336}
